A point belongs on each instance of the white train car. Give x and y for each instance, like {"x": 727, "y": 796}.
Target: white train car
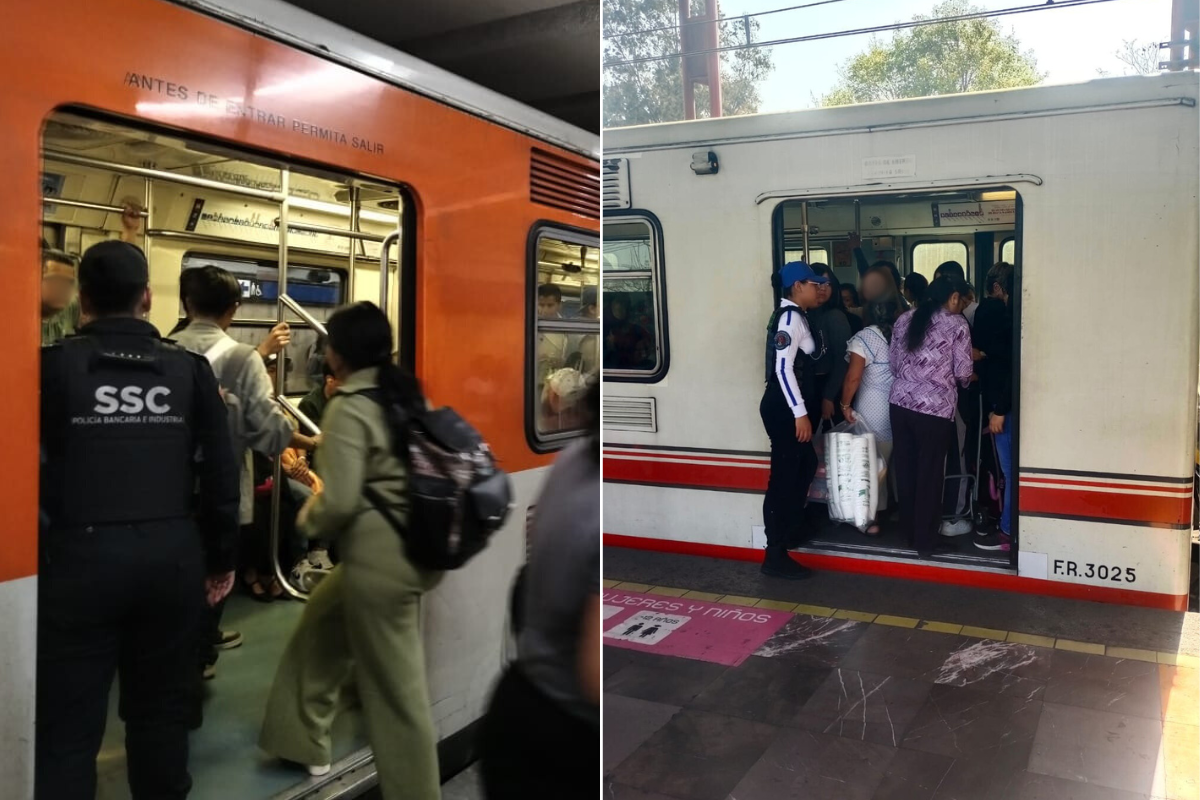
{"x": 1090, "y": 190}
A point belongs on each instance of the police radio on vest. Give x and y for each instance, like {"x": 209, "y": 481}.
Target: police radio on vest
{"x": 131, "y": 400}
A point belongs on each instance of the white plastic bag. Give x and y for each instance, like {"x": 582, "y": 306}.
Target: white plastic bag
{"x": 852, "y": 474}
{"x": 831, "y": 481}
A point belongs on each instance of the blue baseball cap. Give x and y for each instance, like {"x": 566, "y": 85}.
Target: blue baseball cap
{"x": 795, "y": 271}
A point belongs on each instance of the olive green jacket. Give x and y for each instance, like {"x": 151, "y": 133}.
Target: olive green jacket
{"x": 356, "y": 449}
{"x": 61, "y": 325}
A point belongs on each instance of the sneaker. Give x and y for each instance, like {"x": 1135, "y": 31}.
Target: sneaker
{"x": 210, "y": 672}
{"x": 319, "y": 558}
{"x": 227, "y": 640}
{"x": 995, "y": 541}
{"x": 299, "y": 574}
{"x": 778, "y": 564}
{"x": 317, "y": 770}
{"x": 957, "y": 528}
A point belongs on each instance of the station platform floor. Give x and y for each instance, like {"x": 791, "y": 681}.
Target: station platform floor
{"x": 720, "y": 683}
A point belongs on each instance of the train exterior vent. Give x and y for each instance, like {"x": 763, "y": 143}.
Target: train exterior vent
{"x": 614, "y": 182}
{"x": 629, "y": 414}
{"x": 559, "y": 183}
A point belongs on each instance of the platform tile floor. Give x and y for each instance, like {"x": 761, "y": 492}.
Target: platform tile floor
{"x": 836, "y": 709}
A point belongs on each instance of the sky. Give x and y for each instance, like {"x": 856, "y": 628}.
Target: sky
{"x": 1070, "y": 44}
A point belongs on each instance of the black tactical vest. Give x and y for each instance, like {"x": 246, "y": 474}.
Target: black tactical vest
{"x": 122, "y": 450}
{"x": 804, "y": 368}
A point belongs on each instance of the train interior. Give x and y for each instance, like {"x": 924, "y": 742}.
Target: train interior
{"x": 917, "y": 232}
{"x": 205, "y": 204}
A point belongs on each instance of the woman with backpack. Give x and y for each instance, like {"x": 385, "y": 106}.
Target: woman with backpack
{"x": 359, "y": 630}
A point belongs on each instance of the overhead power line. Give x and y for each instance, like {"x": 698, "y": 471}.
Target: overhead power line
{"x": 1000, "y": 12}
{"x": 723, "y": 19}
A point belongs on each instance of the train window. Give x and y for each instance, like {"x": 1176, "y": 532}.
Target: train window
{"x": 320, "y": 290}
{"x": 1008, "y": 251}
{"x": 927, "y": 256}
{"x": 634, "y": 335}
{"x": 565, "y": 272}
{"x": 816, "y": 255}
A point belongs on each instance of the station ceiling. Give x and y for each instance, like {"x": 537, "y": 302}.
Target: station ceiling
{"x": 544, "y": 53}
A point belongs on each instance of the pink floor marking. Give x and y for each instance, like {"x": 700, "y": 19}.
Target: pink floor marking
{"x": 675, "y": 626}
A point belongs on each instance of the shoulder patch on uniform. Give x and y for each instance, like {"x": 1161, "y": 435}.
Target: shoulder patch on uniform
{"x": 783, "y": 340}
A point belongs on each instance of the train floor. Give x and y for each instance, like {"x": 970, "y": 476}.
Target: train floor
{"x": 225, "y": 760}
{"x": 722, "y": 683}
{"x": 891, "y": 541}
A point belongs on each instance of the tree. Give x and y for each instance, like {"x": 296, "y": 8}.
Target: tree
{"x": 652, "y": 91}
{"x": 1142, "y": 59}
{"x": 948, "y": 58}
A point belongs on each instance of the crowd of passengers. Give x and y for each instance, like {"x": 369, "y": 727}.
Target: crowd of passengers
{"x": 359, "y": 634}
{"x": 922, "y": 365}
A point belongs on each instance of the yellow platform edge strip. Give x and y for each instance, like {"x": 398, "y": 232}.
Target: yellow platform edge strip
{"x": 1036, "y": 640}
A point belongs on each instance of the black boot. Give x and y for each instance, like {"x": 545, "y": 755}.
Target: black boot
{"x": 778, "y": 564}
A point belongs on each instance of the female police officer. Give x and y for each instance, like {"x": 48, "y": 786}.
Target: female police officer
{"x": 790, "y": 390}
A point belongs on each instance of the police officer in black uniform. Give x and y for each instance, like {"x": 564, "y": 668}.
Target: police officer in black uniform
{"x": 788, "y": 400}
{"x": 131, "y": 427}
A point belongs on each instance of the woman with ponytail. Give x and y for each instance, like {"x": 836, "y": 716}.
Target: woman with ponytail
{"x": 930, "y": 356}
{"x": 360, "y": 630}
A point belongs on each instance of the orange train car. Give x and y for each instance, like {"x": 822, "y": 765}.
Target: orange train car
{"x": 321, "y": 168}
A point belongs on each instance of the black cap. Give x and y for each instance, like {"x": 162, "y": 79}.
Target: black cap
{"x": 113, "y": 263}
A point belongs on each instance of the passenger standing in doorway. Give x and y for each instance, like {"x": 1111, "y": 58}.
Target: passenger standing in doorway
{"x": 791, "y": 391}
{"x": 930, "y": 356}
{"x": 276, "y": 342}
{"x": 361, "y": 628}
{"x": 831, "y": 328}
{"x": 850, "y": 301}
{"x": 541, "y": 735}
{"x": 124, "y": 560}
{"x": 860, "y": 259}
{"x": 256, "y": 421}
{"x": 915, "y": 286}
{"x": 60, "y": 305}
{"x": 962, "y": 449}
{"x": 993, "y": 336}
{"x": 953, "y": 269}
{"x": 868, "y": 382}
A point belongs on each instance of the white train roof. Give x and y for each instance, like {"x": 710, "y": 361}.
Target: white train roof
{"x": 1133, "y": 92}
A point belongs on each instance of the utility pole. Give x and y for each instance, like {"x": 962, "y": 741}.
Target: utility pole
{"x": 697, "y": 34}
{"x": 1185, "y": 25}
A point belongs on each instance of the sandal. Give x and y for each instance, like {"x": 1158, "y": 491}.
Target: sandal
{"x": 255, "y": 587}
{"x": 872, "y": 530}
{"x": 274, "y": 590}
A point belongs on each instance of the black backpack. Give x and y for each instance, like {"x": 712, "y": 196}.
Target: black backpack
{"x": 457, "y": 495}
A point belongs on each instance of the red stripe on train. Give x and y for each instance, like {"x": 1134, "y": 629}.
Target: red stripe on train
{"x": 916, "y": 571}
{"x": 1106, "y": 505}
{"x": 1177, "y": 489}
{"x": 1034, "y": 499}
{"x": 687, "y": 475}
{"x": 642, "y": 454}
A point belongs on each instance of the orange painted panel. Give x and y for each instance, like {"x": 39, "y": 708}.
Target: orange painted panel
{"x": 154, "y": 63}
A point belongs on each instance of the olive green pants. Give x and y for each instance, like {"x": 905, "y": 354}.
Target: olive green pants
{"x": 361, "y": 633}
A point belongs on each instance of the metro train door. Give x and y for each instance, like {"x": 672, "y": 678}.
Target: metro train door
{"x": 286, "y": 303}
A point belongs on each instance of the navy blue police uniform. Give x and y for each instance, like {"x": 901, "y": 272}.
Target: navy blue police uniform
{"x": 140, "y": 500}
{"x": 790, "y": 374}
